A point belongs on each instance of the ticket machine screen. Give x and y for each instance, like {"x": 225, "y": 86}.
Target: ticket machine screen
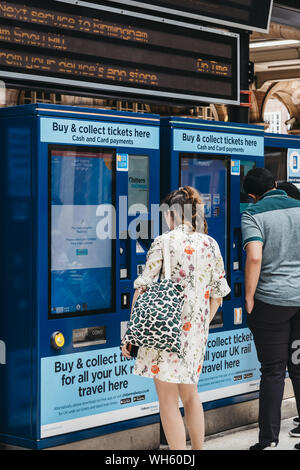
{"x": 80, "y": 248}
{"x": 209, "y": 176}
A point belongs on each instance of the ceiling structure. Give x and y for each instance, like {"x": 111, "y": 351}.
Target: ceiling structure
{"x": 276, "y": 58}
{"x": 276, "y": 55}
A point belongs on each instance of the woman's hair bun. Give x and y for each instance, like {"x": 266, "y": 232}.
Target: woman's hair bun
{"x": 187, "y": 195}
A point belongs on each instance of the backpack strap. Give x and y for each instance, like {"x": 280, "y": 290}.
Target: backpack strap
{"x": 167, "y": 258}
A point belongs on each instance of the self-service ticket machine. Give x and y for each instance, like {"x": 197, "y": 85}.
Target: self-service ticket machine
{"x": 282, "y": 157}
{"x": 214, "y": 157}
{"x": 76, "y": 187}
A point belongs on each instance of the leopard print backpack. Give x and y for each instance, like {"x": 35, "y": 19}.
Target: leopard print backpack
{"x": 156, "y": 316}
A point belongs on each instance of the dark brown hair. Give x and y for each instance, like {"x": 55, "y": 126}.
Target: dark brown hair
{"x": 184, "y": 197}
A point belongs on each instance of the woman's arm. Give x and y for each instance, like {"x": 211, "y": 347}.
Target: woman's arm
{"x": 137, "y": 292}
{"x": 219, "y": 285}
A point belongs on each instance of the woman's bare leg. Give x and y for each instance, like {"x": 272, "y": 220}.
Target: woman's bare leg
{"x": 172, "y": 422}
{"x": 193, "y": 412}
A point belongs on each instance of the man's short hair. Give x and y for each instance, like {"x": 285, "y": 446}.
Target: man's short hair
{"x": 258, "y": 181}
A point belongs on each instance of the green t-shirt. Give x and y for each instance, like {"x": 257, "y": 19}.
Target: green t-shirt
{"x": 275, "y": 221}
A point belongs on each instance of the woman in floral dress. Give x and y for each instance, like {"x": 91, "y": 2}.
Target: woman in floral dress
{"x": 197, "y": 264}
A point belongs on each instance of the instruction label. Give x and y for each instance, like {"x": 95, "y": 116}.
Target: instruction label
{"x": 94, "y": 388}
{"x": 122, "y": 162}
{"x": 217, "y": 142}
{"x": 107, "y": 134}
{"x": 235, "y": 167}
{"x": 230, "y": 366}
{"x": 293, "y": 166}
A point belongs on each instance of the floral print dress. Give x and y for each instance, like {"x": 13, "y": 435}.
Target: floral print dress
{"x": 197, "y": 264}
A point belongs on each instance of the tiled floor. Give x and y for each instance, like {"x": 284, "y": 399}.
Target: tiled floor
{"x": 243, "y": 438}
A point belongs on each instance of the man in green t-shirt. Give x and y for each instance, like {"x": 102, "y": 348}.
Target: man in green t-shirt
{"x": 271, "y": 238}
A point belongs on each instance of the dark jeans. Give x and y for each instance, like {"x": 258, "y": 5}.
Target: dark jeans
{"x": 276, "y": 332}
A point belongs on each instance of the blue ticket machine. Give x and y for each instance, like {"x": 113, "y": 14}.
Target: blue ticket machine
{"x": 282, "y": 157}
{"x": 76, "y": 188}
{"x": 214, "y": 157}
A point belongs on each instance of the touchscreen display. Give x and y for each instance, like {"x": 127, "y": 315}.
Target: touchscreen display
{"x": 81, "y": 278}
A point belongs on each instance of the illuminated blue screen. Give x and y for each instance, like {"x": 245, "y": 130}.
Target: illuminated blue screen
{"x": 209, "y": 177}
{"x": 81, "y": 262}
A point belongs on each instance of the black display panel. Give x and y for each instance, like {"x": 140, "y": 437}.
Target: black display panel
{"x": 253, "y": 15}
{"x": 276, "y": 162}
{"x": 117, "y": 54}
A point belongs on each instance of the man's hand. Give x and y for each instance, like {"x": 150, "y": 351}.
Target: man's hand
{"x": 252, "y": 272}
{"x": 249, "y": 304}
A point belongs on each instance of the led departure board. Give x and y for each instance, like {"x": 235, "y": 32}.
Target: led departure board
{"x": 252, "y": 15}
{"x": 108, "y": 53}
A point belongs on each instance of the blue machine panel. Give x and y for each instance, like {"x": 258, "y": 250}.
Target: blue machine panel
{"x": 214, "y": 158}
{"x": 69, "y": 181}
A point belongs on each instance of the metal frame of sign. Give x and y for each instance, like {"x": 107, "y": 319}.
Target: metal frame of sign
{"x": 148, "y": 94}
{"x": 193, "y": 16}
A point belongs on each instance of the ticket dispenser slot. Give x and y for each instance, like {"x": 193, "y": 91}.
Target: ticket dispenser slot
{"x": 125, "y": 300}
{"x": 217, "y": 321}
{"x": 237, "y": 289}
{"x": 124, "y": 253}
{"x": 93, "y": 336}
{"x": 237, "y": 249}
